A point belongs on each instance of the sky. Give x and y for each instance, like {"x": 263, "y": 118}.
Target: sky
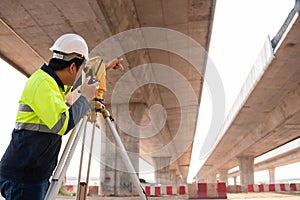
{"x": 239, "y": 31}
{"x": 12, "y": 83}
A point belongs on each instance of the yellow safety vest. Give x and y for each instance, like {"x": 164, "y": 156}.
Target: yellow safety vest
{"x": 42, "y": 105}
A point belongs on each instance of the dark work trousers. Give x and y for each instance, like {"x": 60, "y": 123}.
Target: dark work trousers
{"x": 14, "y": 190}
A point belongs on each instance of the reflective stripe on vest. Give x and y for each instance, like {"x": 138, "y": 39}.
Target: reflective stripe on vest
{"x": 39, "y": 127}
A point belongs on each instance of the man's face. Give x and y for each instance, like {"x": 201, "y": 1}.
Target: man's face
{"x": 72, "y": 74}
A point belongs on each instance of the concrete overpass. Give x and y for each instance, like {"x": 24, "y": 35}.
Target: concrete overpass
{"x": 29, "y": 27}
{"x": 266, "y": 113}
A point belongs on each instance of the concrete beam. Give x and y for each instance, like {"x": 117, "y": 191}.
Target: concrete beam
{"x": 24, "y": 55}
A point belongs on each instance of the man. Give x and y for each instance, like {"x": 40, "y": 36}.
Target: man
{"x": 42, "y": 118}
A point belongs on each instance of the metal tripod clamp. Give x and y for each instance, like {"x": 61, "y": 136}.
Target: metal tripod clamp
{"x": 97, "y": 105}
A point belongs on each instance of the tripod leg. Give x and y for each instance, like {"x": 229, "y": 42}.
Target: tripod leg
{"x": 90, "y": 155}
{"x": 81, "y": 194}
{"x": 64, "y": 154}
{"x": 126, "y": 159}
{"x": 80, "y": 189}
{"x": 59, "y": 175}
{"x": 83, "y": 186}
{"x": 50, "y": 192}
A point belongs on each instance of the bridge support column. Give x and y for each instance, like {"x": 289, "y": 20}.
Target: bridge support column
{"x": 223, "y": 175}
{"x": 211, "y": 178}
{"x": 173, "y": 176}
{"x": 115, "y": 180}
{"x": 271, "y": 175}
{"x": 246, "y": 165}
{"x": 234, "y": 180}
{"x": 179, "y": 179}
{"x": 162, "y": 171}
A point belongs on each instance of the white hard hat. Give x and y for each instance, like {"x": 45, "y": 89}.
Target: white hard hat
{"x": 70, "y": 44}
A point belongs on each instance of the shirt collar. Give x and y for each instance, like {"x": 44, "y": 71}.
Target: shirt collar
{"x": 51, "y": 72}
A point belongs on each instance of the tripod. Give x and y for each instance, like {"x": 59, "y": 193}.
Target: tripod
{"x": 68, "y": 152}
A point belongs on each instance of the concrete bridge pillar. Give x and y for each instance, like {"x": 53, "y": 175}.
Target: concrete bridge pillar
{"x": 173, "y": 176}
{"x": 211, "y": 178}
{"x": 162, "y": 171}
{"x": 114, "y": 176}
{"x": 271, "y": 175}
{"x": 179, "y": 179}
{"x": 234, "y": 180}
{"x": 115, "y": 180}
{"x": 246, "y": 165}
{"x": 223, "y": 175}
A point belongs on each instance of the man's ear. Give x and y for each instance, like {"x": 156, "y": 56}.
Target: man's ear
{"x": 73, "y": 68}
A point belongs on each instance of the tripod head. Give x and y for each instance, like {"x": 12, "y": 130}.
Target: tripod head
{"x": 96, "y": 69}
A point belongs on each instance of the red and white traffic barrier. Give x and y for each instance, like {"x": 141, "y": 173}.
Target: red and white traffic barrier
{"x": 207, "y": 190}
{"x": 181, "y": 190}
{"x": 149, "y": 190}
{"x": 274, "y": 187}
{"x": 70, "y": 188}
{"x": 152, "y": 190}
{"x": 164, "y": 190}
{"x": 93, "y": 190}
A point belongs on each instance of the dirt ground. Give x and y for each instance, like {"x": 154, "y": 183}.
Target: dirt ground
{"x": 232, "y": 196}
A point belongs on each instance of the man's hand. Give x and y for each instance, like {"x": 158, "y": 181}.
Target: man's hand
{"x": 115, "y": 64}
{"x": 73, "y": 96}
{"x": 89, "y": 91}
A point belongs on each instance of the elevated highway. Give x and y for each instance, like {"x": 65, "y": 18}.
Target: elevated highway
{"x": 266, "y": 114}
